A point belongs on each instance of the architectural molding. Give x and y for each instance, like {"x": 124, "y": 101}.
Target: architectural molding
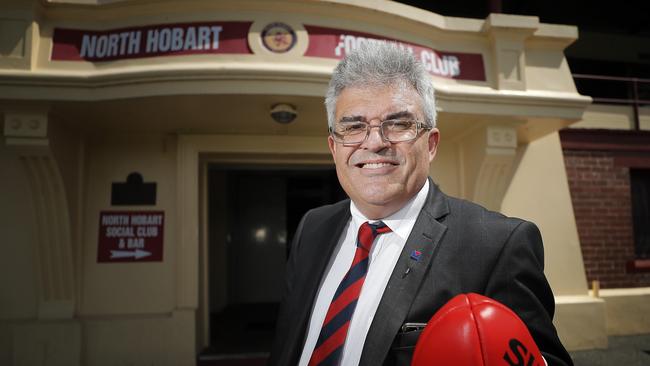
{"x": 26, "y": 132}
{"x": 489, "y": 154}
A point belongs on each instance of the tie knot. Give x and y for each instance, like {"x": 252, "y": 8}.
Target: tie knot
{"x": 368, "y": 232}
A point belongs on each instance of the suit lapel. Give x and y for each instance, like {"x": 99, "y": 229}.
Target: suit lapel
{"x": 319, "y": 240}
{"x": 406, "y": 278}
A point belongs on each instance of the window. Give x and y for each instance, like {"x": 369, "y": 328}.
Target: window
{"x": 640, "y": 190}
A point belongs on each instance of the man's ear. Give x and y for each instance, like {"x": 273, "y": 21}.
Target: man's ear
{"x": 332, "y": 145}
{"x": 434, "y": 139}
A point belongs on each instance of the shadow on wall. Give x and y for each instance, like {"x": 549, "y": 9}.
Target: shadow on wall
{"x": 12, "y": 37}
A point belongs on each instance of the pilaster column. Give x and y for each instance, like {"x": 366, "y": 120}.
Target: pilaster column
{"x": 26, "y": 132}
{"x": 488, "y": 156}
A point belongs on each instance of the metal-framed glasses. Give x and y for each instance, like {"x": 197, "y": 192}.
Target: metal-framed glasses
{"x": 392, "y": 130}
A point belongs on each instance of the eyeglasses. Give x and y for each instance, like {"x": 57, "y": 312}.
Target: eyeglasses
{"x": 392, "y": 130}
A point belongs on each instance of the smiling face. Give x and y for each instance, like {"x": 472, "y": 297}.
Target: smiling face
{"x": 379, "y": 176}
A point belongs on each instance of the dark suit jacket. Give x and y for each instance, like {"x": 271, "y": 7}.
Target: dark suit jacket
{"x": 465, "y": 248}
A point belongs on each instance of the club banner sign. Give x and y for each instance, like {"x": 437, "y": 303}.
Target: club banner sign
{"x": 232, "y": 37}
{"x": 126, "y": 236}
{"x": 336, "y": 43}
{"x": 150, "y": 41}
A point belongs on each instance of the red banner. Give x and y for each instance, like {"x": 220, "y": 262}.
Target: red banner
{"x": 126, "y": 236}
{"x": 150, "y": 41}
{"x": 336, "y": 43}
{"x": 232, "y": 37}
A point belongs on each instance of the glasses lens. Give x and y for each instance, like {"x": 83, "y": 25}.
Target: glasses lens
{"x": 399, "y": 130}
{"x": 350, "y": 133}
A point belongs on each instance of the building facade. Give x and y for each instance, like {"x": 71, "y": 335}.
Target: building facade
{"x": 158, "y": 154}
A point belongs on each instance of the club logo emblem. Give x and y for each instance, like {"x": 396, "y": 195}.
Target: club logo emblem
{"x": 278, "y": 37}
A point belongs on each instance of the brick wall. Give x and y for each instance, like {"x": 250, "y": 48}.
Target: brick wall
{"x": 600, "y": 192}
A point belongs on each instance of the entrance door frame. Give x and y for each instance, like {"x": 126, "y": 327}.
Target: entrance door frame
{"x": 194, "y": 154}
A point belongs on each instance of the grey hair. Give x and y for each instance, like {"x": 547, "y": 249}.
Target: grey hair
{"x": 381, "y": 63}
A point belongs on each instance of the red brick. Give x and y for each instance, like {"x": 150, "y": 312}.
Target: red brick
{"x": 600, "y": 194}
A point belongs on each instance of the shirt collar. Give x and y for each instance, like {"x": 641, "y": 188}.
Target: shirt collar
{"x": 402, "y": 221}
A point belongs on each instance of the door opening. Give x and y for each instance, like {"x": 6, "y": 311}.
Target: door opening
{"x": 253, "y": 212}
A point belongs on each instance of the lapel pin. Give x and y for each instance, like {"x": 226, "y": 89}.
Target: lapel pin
{"x": 415, "y": 255}
{"x": 408, "y": 270}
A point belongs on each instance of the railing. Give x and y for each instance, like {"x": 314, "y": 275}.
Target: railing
{"x": 630, "y": 88}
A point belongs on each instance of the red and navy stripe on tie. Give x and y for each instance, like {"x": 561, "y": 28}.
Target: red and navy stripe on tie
{"x": 331, "y": 339}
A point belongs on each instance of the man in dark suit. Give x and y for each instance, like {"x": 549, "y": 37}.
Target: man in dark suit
{"x": 364, "y": 274}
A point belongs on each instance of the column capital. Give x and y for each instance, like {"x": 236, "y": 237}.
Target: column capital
{"x": 507, "y": 35}
{"x": 26, "y": 128}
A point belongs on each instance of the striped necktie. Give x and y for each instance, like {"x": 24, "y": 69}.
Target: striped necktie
{"x": 329, "y": 347}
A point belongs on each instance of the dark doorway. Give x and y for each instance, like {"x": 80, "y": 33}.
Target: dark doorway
{"x": 253, "y": 212}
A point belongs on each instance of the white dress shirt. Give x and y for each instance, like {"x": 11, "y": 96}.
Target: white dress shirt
{"x": 383, "y": 256}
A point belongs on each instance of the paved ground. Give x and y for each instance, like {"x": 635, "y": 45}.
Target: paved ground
{"x": 622, "y": 351}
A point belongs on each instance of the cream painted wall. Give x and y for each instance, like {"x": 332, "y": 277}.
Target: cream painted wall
{"x": 160, "y": 340}
{"x": 539, "y": 192}
{"x": 129, "y": 310}
{"x": 628, "y": 310}
{"x": 128, "y": 288}
{"x": 542, "y": 66}
{"x": 615, "y": 117}
{"x": 445, "y": 167}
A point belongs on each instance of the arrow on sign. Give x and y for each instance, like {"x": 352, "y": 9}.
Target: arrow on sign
{"x": 137, "y": 254}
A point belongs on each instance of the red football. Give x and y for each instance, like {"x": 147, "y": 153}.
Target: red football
{"x": 474, "y": 330}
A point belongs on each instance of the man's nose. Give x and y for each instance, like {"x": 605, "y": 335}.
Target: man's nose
{"x": 374, "y": 141}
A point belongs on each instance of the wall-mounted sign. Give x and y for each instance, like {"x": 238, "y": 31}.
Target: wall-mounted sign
{"x": 133, "y": 192}
{"x": 336, "y": 43}
{"x": 232, "y": 37}
{"x": 150, "y": 41}
{"x": 278, "y": 37}
{"x": 130, "y": 236}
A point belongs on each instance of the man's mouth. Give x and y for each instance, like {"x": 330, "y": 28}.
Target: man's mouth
{"x": 375, "y": 165}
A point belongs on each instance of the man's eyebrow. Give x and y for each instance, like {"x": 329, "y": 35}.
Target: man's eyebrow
{"x": 396, "y": 115}
{"x": 400, "y": 114}
{"x": 352, "y": 119}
